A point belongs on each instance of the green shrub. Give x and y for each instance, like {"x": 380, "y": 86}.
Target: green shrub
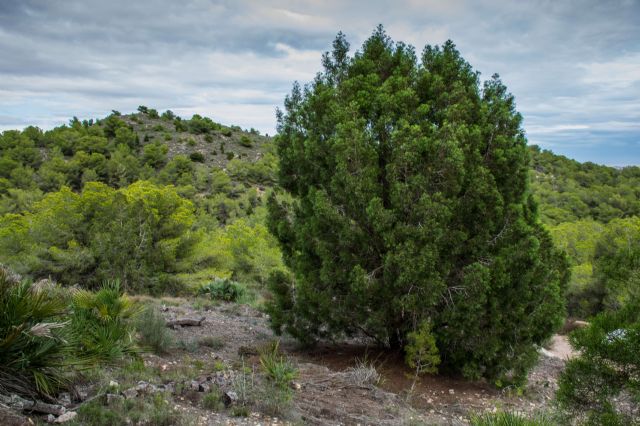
{"x": 103, "y": 323}
{"x": 230, "y": 156}
{"x": 153, "y": 332}
{"x": 155, "y": 410}
{"x": 246, "y": 141}
{"x": 276, "y": 396}
{"x": 191, "y": 142}
{"x": 208, "y": 138}
{"x": 213, "y": 401}
{"x": 396, "y": 222}
{"x": 503, "y": 418}
{"x": 223, "y": 289}
{"x": 190, "y": 345}
{"x": 197, "y": 157}
{"x": 35, "y": 347}
{"x": 608, "y": 366}
{"x": 215, "y": 343}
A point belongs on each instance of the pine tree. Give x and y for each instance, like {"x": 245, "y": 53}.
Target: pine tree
{"x": 411, "y": 206}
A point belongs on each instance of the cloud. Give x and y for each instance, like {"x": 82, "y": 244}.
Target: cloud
{"x": 574, "y": 68}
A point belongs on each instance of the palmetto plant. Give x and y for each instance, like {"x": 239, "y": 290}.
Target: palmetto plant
{"x": 34, "y": 339}
{"x": 102, "y": 323}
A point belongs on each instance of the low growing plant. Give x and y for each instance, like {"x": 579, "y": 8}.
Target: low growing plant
{"x": 152, "y": 331}
{"x": 223, "y": 289}
{"x": 103, "y": 323}
{"x": 35, "y": 347}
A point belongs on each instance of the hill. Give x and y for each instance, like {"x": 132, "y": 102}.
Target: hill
{"x": 151, "y": 169}
{"x": 568, "y": 190}
{"x": 224, "y": 173}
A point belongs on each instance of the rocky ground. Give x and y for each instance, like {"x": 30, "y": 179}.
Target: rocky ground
{"x": 347, "y": 384}
{"x": 330, "y": 391}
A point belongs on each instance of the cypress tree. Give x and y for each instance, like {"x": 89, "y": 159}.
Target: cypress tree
{"x": 411, "y": 219}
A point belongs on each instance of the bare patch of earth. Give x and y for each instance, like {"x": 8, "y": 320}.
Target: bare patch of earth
{"x": 325, "y": 392}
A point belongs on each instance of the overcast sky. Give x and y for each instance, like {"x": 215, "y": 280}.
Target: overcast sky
{"x": 573, "y": 66}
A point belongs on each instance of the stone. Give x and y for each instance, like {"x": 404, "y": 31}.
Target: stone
{"x": 113, "y": 383}
{"x": 130, "y": 393}
{"x": 69, "y": 415}
{"x": 229, "y": 398}
{"x": 65, "y": 398}
{"x": 113, "y": 398}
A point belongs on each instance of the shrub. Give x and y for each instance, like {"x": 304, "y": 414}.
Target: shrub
{"x": 246, "y": 141}
{"x": 230, "y": 155}
{"x": 208, "y": 138}
{"x": 223, "y": 289}
{"x": 191, "y": 142}
{"x": 411, "y": 205}
{"x": 213, "y": 401}
{"x": 190, "y": 345}
{"x": 34, "y": 342}
{"x": 103, "y": 323}
{"x": 152, "y": 331}
{"x": 277, "y": 395}
{"x": 504, "y": 418}
{"x": 215, "y": 343}
{"x": 606, "y": 370}
{"x": 197, "y": 157}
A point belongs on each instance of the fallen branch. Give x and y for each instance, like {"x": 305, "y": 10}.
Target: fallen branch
{"x": 192, "y": 322}
{"x": 18, "y": 403}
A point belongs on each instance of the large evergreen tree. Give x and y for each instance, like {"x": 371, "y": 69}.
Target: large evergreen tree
{"x": 411, "y": 212}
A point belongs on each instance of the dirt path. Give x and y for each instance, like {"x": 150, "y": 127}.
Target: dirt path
{"x": 559, "y": 348}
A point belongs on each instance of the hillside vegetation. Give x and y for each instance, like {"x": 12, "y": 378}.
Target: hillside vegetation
{"x": 152, "y": 200}
{"x": 164, "y": 205}
{"x": 592, "y": 212}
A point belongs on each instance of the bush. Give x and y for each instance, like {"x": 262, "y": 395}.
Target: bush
{"x": 103, "y": 323}
{"x": 153, "y": 332}
{"x": 606, "y": 370}
{"x": 213, "y": 401}
{"x": 246, "y": 141}
{"x": 215, "y": 343}
{"x": 503, "y": 418}
{"x": 137, "y": 234}
{"x": 35, "y": 348}
{"x": 411, "y": 206}
{"x": 277, "y": 394}
{"x": 197, "y": 157}
{"x": 223, "y": 289}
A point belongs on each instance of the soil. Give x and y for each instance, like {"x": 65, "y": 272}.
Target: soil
{"x": 326, "y": 392}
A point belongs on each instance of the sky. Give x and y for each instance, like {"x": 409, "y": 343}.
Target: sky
{"x": 573, "y": 66}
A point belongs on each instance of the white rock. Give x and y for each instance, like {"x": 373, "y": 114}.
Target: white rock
{"x": 69, "y": 415}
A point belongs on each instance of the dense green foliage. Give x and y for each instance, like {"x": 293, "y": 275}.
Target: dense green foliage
{"x": 223, "y": 289}
{"x": 602, "y": 385}
{"x": 136, "y": 234}
{"x": 48, "y": 334}
{"x": 33, "y": 353}
{"x": 604, "y": 260}
{"x": 569, "y": 191}
{"x": 104, "y": 323}
{"x": 144, "y": 198}
{"x": 411, "y": 204}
